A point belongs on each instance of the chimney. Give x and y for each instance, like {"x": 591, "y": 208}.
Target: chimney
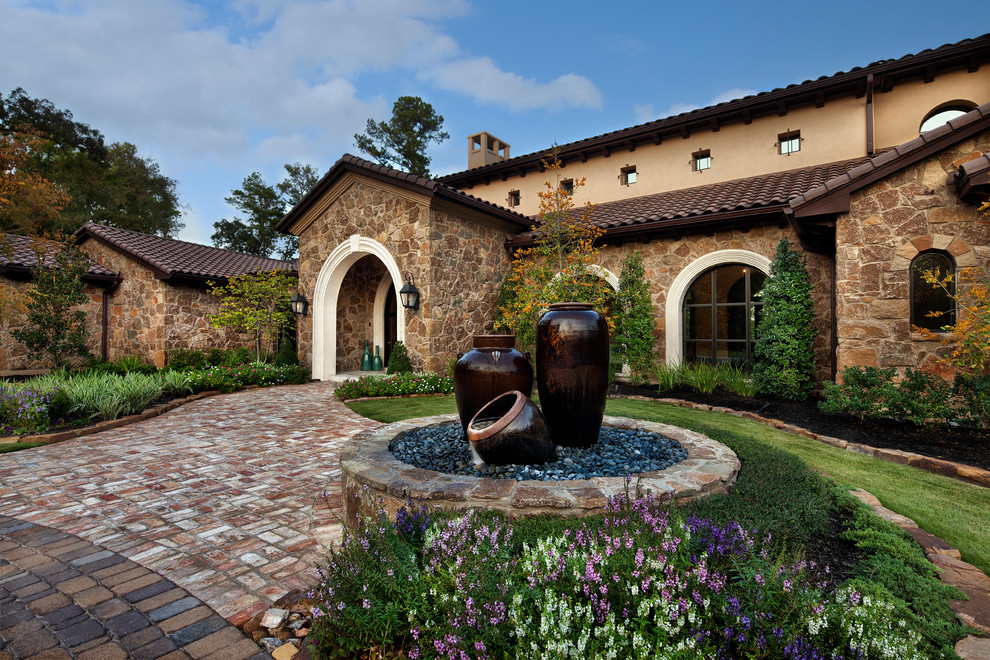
{"x": 485, "y": 149}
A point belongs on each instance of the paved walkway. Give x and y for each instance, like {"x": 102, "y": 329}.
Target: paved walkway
{"x": 224, "y": 496}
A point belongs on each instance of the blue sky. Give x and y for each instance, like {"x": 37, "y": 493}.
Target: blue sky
{"x": 216, "y": 90}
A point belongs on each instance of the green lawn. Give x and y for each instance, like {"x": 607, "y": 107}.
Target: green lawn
{"x": 954, "y": 510}
{"x": 17, "y": 446}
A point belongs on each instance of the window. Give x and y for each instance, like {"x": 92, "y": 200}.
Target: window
{"x": 702, "y": 160}
{"x": 567, "y": 185}
{"x": 789, "y": 142}
{"x": 927, "y": 299}
{"x": 628, "y": 175}
{"x": 936, "y": 118}
{"x": 514, "y": 198}
{"x": 721, "y": 310}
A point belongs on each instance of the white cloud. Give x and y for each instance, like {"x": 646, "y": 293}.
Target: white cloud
{"x": 727, "y": 95}
{"x": 678, "y": 108}
{"x": 644, "y": 112}
{"x": 482, "y": 80}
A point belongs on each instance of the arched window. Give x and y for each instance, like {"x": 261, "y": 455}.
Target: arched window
{"x": 939, "y": 116}
{"x": 926, "y": 298}
{"x": 721, "y": 310}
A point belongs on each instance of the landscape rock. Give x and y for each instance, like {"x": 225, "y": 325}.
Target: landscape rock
{"x": 274, "y": 618}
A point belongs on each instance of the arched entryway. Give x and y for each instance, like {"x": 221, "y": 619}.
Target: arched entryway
{"x": 327, "y": 349}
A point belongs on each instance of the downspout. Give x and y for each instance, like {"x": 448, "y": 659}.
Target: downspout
{"x": 105, "y": 338}
{"x": 869, "y": 114}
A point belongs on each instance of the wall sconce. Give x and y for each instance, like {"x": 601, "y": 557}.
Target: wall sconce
{"x": 409, "y": 294}
{"x": 298, "y": 304}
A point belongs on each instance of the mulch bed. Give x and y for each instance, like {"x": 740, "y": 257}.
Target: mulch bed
{"x": 960, "y": 445}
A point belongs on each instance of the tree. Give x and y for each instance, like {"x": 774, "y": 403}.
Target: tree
{"x": 401, "y": 142}
{"x": 560, "y": 267}
{"x": 784, "y": 352}
{"x": 110, "y": 184}
{"x": 55, "y": 329}
{"x": 28, "y": 201}
{"x": 635, "y": 321}
{"x": 257, "y": 304}
{"x": 263, "y": 206}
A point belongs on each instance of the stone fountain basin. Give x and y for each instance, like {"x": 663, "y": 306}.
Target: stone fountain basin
{"x": 373, "y": 478}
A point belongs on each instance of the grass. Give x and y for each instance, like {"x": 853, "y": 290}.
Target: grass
{"x": 949, "y": 508}
{"x": 17, "y": 446}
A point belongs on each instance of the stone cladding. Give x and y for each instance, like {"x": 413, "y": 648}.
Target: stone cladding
{"x": 355, "y": 306}
{"x": 13, "y": 354}
{"x": 457, "y": 264}
{"x": 888, "y": 224}
{"x": 149, "y": 317}
{"x": 664, "y": 258}
{"x": 374, "y": 478}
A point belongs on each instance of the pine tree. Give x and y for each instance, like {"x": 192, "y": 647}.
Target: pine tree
{"x": 785, "y": 356}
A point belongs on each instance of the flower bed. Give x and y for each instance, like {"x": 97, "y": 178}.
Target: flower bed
{"x": 404, "y": 384}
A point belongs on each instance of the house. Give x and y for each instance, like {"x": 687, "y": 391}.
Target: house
{"x": 148, "y": 295}
{"x": 871, "y": 173}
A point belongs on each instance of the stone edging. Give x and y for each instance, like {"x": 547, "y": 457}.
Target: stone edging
{"x": 154, "y": 411}
{"x": 952, "y": 570}
{"x": 373, "y": 477}
{"x": 968, "y": 473}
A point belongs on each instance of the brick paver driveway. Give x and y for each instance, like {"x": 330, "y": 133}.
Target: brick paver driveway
{"x": 222, "y": 496}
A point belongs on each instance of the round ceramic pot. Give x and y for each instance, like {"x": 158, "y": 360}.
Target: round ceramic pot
{"x": 511, "y": 430}
{"x": 572, "y": 372}
{"x": 491, "y": 368}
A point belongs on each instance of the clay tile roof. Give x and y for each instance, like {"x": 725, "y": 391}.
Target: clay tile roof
{"x": 429, "y": 187}
{"x": 900, "y": 157}
{"x": 21, "y": 257}
{"x": 174, "y": 258}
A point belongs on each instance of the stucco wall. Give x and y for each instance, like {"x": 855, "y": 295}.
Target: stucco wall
{"x": 13, "y": 354}
{"x": 888, "y": 224}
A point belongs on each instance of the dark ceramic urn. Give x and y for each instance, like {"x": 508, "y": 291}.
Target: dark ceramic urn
{"x": 572, "y": 372}
{"x": 511, "y": 430}
{"x": 491, "y": 368}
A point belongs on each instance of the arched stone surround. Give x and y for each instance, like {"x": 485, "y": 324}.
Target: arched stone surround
{"x": 327, "y": 290}
{"x": 674, "y": 311}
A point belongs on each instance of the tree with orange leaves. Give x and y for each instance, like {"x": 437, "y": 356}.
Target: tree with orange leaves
{"x": 560, "y": 267}
{"x": 28, "y": 201}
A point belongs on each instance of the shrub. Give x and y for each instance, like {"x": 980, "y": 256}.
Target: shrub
{"x": 864, "y": 392}
{"x": 237, "y": 356}
{"x": 176, "y": 383}
{"x": 784, "y": 364}
{"x": 135, "y": 364}
{"x": 425, "y": 382}
{"x": 229, "y": 379}
{"x": 216, "y": 356}
{"x": 921, "y": 398}
{"x": 24, "y": 409}
{"x": 973, "y": 393}
{"x": 635, "y": 321}
{"x": 398, "y": 361}
{"x": 286, "y": 353}
{"x": 182, "y": 358}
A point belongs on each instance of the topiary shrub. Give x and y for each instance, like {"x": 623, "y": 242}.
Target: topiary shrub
{"x": 398, "y": 361}
{"x": 286, "y": 355}
{"x": 180, "y": 358}
{"x": 785, "y": 358}
{"x": 635, "y": 321}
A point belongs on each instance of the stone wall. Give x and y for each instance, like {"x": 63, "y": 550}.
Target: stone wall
{"x": 13, "y": 354}
{"x": 456, "y": 264}
{"x": 888, "y": 224}
{"x": 469, "y": 264}
{"x": 187, "y": 323}
{"x": 664, "y": 259}
{"x": 355, "y": 308}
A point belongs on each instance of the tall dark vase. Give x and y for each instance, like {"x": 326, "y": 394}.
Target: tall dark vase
{"x": 572, "y": 372}
{"x": 490, "y": 369}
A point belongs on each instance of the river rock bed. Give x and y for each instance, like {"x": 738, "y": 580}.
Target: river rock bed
{"x": 619, "y": 452}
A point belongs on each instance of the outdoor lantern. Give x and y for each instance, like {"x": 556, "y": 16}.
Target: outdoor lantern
{"x": 409, "y": 294}
{"x": 298, "y": 304}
